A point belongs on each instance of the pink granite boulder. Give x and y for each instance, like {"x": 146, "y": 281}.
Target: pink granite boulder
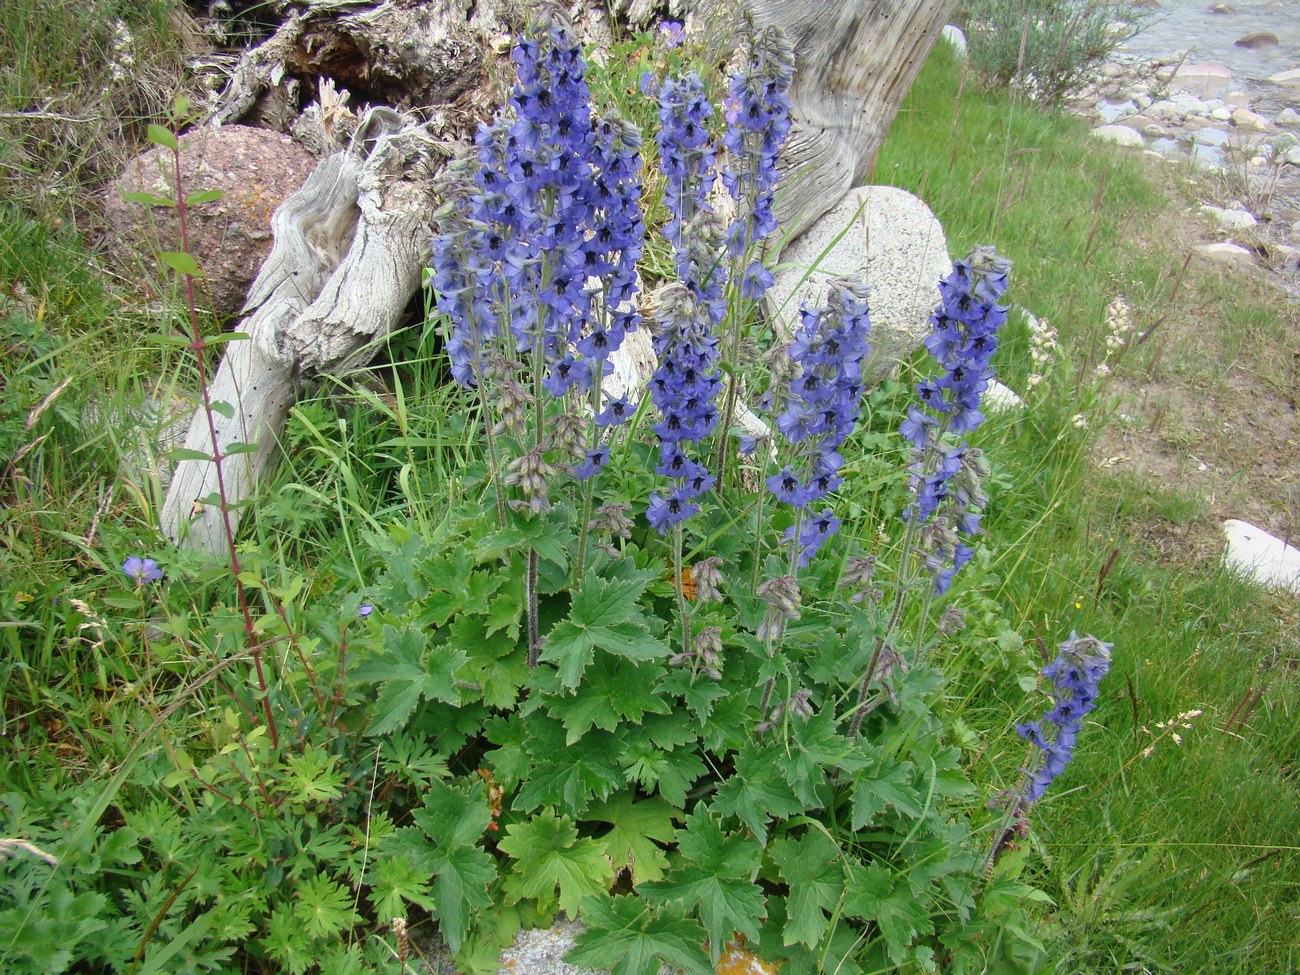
{"x": 255, "y": 169}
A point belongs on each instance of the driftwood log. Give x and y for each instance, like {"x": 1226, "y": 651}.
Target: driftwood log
{"x": 350, "y": 246}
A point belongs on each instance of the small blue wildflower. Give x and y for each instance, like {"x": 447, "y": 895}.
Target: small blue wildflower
{"x": 140, "y": 570}
{"x": 616, "y": 412}
{"x": 365, "y": 609}
{"x": 596, "y": 459}
{"x": 672, "y": 32}
{"x": 549, "y": 202}
{"x": 1075, "y": 675}
{"x": 665, "y": 512}
{"x": 686, "y": 157}
{"x": 814, "y": 532}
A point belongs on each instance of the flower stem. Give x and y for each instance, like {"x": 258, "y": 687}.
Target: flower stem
{"x": 198, "y": 345}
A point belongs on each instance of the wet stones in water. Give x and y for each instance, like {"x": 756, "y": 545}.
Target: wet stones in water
{"x": 1258, "y": 41}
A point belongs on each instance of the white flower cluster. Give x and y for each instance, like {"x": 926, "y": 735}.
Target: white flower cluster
{"x": 1119, "y": 326}
{"x": 1169, "y": 729}
{"x": 1043, "y": 346}
{"x": 121, "y": 60}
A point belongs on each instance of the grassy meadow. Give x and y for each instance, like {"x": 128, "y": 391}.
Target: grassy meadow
{"x": 1170, "y": 844}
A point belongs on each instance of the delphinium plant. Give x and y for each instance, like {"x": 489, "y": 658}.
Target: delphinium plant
{"x": 643, "y": 677}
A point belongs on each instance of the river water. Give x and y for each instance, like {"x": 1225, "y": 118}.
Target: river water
{"x": 1179, "y": 26}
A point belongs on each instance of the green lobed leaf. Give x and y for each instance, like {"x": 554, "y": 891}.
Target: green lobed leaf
{"x": 814, "y": 750}
{"x": 756, "y": 792}
{"x": 452, "y": 822}
{"x": 811, "y": 867}
{"x": 605, "y": 615}
{"x": 569, "y": 776}
{"x": 873, "y": 895}
{"x": 552, "y": 864}
{"x": 635, "y": 828}
{"x": 625, "y": 936}
{"x": 880, "y": 787}
{"x": 673, "y": 771}
{"x": 408, "y": 673}
{"x": 712, "y": 876}
{"x": 612, "y": 691}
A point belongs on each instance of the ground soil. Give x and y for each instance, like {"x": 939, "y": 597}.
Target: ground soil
{"x": 1207, "y": 414}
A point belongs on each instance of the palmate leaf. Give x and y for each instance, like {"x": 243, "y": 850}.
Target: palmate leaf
{"x": 408, "y": 670}
{"x": 813, "y": 749}
{"x": 872, "y": 895}
{"x": 630, "y": 843}
{"x": 671, "y": 771}
{"x": 882, "y": 786}
{"x": 713, "y": 878}
{"x": 604, "y": 614}
{"x": 568, "y": 776}
{"x": 613, "y": 691}
{"x": 756, "y": 792}
{"x": 625, "y": 936}
{"x": 451, "y": 825}
{"x": 552, "y": 864}
{"x": 811, "y": 867}
{"x": 324, "y": 907}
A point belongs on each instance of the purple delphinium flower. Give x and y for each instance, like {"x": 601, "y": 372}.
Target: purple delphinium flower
{"x": 945, "y": 479}
{"x": 140, "y": 570}
{"x": 365, "y": 609}
{"x": 821, "y": 404}
{"x": 686, "y": 157}
{"x": 758, "y": 122}
{"x": 554, "y": 205}
{"x": 683, "y": 389}
{"x": 1075, "y": 674}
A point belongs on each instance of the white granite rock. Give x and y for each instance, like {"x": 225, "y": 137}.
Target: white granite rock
{"x": 956, "y": 39}
{"x": 1291, "y": 77}
{"x": 1231, "y": 219}
{"x": 1188, "y": 104}
{"x": 1225, "y": 253}
{"x": 1268, "y": 560}
{"x": 1119, "y": 134}
{"x": 1246, "y": 119}
{"x": 1202, "y": 78}
{"x": 1221, "y": 114}
{"x": 892, "y": 238}
{"x": 1293, "y": 155}
{"x": 1165, "y": 109}
{"x": 1288, "y": 116}
{"x": 1001, "y": 399}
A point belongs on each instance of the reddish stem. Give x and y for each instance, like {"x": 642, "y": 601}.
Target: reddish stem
{"x": 198, "y": 345}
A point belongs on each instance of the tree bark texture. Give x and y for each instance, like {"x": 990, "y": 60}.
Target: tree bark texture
{"x": 854, "y": 62}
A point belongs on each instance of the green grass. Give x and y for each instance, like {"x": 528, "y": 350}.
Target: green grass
{"x": 1182, "y": 860}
